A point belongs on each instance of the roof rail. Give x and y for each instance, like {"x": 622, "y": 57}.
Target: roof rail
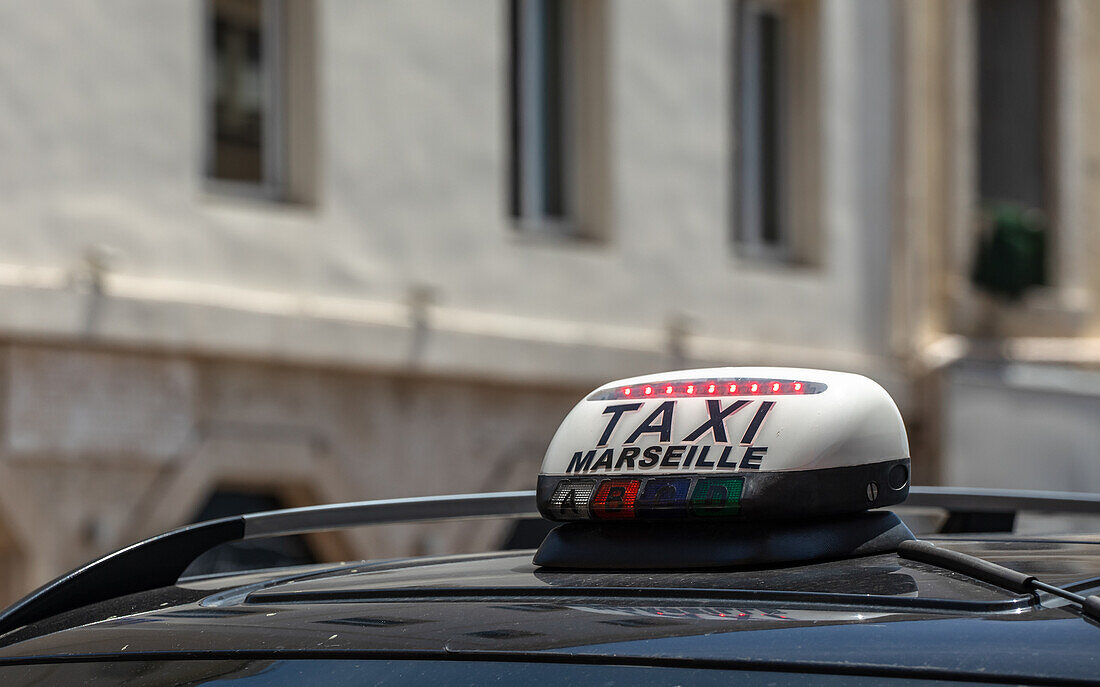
{"x": 966, "y": 499}
{"x": 159, "y": 561}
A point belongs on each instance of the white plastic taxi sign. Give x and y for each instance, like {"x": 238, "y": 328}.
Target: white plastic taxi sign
{"x": 735, "y": 442}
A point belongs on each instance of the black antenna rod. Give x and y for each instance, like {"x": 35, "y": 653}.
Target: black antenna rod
{"x": 998, "y": 575}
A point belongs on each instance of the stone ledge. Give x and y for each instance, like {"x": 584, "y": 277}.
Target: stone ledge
{"x": 200, "y": 319}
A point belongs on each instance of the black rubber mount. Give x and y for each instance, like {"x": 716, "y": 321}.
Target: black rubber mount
{"x": 679, "y": 545}
{"x": 1091, "y": 607}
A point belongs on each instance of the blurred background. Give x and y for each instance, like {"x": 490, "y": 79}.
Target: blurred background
{"x": 270, "y": 253}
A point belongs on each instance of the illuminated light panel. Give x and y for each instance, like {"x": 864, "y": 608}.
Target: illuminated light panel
{"x": 664, "y": 498}
{"x": 717, "y": 496}
{"x": 711, "y": 387}
{"x": 571, "y": 499}
{"x": 614, "y": 499}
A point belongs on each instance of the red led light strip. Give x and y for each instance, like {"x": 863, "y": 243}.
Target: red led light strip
{"x": 710, "y": 387}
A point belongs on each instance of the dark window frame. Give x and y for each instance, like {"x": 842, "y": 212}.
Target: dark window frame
{"x": 541, "y": 196}
{"x": 271, "y": 181}
{"x": 762, "y": 216}
{"x": 1008, "y": 83}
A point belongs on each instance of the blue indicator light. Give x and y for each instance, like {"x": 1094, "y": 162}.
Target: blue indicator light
{"x": 664, "y": 498}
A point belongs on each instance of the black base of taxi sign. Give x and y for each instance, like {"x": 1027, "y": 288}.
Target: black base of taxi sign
{"x": 671, "y": 545}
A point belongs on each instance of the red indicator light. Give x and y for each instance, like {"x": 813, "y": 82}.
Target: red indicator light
{"x": 730, "y": 386}
{"x": 615, "y": 498}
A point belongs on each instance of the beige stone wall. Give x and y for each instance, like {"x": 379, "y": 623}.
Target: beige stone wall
{"x": 101, "y": 448}
{"x": 388, "y": 331}
{"x": 101, "y": 146}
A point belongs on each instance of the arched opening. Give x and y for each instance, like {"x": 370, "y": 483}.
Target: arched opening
{"x": 270, "y": 552}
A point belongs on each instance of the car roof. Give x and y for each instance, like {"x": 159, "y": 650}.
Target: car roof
{"x": 878, "y": 612}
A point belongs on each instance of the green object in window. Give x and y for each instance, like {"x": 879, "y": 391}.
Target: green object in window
{"x": 1011, "y": 254}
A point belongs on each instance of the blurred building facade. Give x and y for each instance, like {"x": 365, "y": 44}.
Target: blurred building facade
{"x": 319, "y": 250}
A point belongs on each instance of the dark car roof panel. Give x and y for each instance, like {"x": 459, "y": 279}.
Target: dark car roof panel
{"x": 878, "y": 612}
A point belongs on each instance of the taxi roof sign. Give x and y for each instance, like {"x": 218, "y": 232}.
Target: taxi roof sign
{"x": 727, "y": 443}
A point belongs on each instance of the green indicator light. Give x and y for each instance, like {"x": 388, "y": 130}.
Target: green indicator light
{"x": 717, "y": 496}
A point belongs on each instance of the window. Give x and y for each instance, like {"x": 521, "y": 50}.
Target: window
{"x": 261, "y": 97}
{"x": 777, "y": 124}
{"x": 558, "y": 134}
{"x": 1014, "y": 154}
{"x": 539, "y": 110}
{"x": 1013, "y": 103}
{"x": 1013, "y": 96}
{"x": 248, "y": 555}
{"x": 761, "y": 226}
{"x": 244, "y": 112}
